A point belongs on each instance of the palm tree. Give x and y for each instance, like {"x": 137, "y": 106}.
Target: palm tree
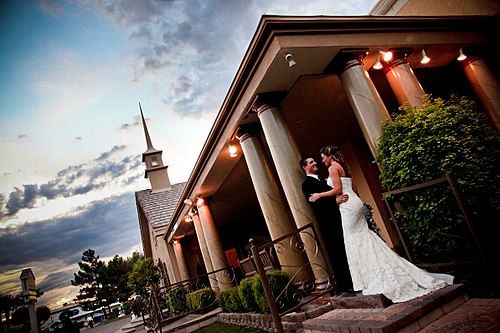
{"x": 7, "y": 304}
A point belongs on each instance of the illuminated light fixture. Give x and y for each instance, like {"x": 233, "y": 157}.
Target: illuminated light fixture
{"x": 175, "y": 242}
{"x": 425, "y": 58}
{"x": 387, "y": 56}
{"x": 289, "y": 58}
{"x": 199, "y": 201}
{"x": 188, "y": 219}
{"x": 461, "y": 55}
{"x": 378, "y": 64}
{"x": 233, "y": 151}
{"x": 191, "y": 213}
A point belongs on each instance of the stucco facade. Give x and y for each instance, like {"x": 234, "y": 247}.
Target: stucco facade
{"x": 277, "y": 111}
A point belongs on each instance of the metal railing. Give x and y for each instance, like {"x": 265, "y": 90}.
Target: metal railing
{"x": 295, "y": 294}
{"x": 165, "y": 304}
{"x": 450, "y": 180}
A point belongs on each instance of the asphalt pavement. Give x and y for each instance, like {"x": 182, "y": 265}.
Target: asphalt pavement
{"x": 112, "y": 327}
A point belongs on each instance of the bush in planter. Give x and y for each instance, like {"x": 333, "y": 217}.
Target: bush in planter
{"x": 413, "y": 149}
{"x": 278, "y": 281}
{"x": 229, "y": 300}
{"x": 176, "y": 300}
{"x": 201, "y": 299}
{"x": 127, "y": 307}
{"x": 246, "y": 294}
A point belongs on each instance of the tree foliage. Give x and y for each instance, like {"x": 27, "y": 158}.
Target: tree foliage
{"x": 103, "y": 283}
{"x": 88, "y": 277}
{"x": 413, "y": 149}
{"x": 8, "y": 303}
{"x": 144, "y": 273}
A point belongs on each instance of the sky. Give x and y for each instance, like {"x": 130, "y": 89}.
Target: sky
{"x": 73, "y": 75}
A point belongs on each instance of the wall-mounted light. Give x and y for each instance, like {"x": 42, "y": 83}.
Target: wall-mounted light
{"x": 425, "y": 58}
{"x": 188, "y": 202}
{"x": 175, "y": 242}
{"x": 387, "y": 56}
{"x": 233, "y": 151}
{"x": 461, "y": 55}
{"x": 188, "y": 219}
{"x": 289, "y": 58}
{"x": 378, "y": 64}
{"x": 200, "y": 202}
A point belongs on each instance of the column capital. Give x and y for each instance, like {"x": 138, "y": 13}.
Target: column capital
{"x": 267, "y": 100}
{"x": 345, "y": 59}
{"x": 247, "y": 131}
{"x": 399, "y": 57}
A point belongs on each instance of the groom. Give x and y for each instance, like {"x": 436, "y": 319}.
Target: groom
{"x": 327, "y": 214}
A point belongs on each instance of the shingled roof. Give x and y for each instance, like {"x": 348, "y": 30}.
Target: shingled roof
{"x": 159, "y": 206}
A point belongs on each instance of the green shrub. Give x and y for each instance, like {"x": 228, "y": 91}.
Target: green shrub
{"x": 116, "y": 312}
{"x": 246, "y": 294}
{"x": 412, "y": 150}
{"x": 200, "y": 299}
{"x": 127, "y": 307}
{"x": 278, "y": 281}
{"x": 229, "y": 300}
{"x": 176, "y": 300}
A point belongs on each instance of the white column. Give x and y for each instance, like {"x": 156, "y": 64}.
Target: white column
{"x": 173, "y": 269}
{"x": 404, "y": 83}
{"x": 286, "y": 157}
{"x": 204, "y": 251}
{"x": 486, "y": 87}
{"x": 365, "y": 101}
{"x": 272, "y": 204}
{"x": 217, "y": 254}
{"x": 181, "y": 260}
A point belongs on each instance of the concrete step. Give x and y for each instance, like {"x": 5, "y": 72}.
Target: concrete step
{"x": 475, "y": 316}
{"x": 407, "y": 317}
{"x": 135, "y": 325}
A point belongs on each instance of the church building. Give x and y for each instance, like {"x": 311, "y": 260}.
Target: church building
{"x": 306, "y": 82}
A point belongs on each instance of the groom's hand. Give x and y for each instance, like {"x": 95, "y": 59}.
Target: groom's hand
{"x": 341, "y": 198}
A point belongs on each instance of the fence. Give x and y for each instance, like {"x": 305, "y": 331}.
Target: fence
{"x": 464, "y": 235}
{"x": 165, "y": 304}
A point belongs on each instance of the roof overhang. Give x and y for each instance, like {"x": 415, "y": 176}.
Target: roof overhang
{"x": 314, "y": 42}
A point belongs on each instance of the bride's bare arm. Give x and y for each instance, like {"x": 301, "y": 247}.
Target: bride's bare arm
{"x": 337, "y": 185}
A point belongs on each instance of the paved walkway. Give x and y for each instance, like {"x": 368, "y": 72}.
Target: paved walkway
{"x": 112, "y": 327}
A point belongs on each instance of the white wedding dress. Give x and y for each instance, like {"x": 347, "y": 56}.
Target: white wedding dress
{"x": 375, "y": 268}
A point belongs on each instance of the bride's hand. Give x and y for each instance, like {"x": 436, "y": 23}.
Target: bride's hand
{"x": 314, "y": 197}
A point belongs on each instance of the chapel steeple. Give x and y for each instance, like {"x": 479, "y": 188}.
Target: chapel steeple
{"x": 156, "y": 172}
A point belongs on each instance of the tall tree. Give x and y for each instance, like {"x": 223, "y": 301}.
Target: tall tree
{"x": 88, "y": 277}
{"x": 8, "y": 303}
{"x": 144, "y": 274}
{"x": 114, "y": 278}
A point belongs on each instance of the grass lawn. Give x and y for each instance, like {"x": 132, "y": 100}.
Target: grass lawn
{"x": 218, "y": 327}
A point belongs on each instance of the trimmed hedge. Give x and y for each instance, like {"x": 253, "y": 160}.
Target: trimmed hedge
{"x": 229, "y": 300}
{"x": 246, "y": 293}
{"x": 249, "y": 295}
{"x": 176, "y": 300}
{"x": 200, "y": 299}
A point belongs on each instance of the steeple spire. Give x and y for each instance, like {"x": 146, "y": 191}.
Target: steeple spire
{"x": 155, "y": 170}
{"x": 149, "y": 144}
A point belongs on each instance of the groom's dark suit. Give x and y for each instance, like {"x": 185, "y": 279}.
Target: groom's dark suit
{"x": 328, "y": 217}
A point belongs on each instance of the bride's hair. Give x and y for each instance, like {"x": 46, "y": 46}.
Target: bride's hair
{"x": 337, "y": 156}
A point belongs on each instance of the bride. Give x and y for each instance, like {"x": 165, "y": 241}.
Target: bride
{"x": 375, "y": 268}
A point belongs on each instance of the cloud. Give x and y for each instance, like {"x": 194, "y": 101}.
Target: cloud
{"x": 104, "y": 171}
{"x": 135, "y": 122}
{"x": 51, "y": 248}
{"x": 109, "y": 226}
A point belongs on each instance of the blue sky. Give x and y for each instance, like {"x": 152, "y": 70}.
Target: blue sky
{"x": 73, "y": 73}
